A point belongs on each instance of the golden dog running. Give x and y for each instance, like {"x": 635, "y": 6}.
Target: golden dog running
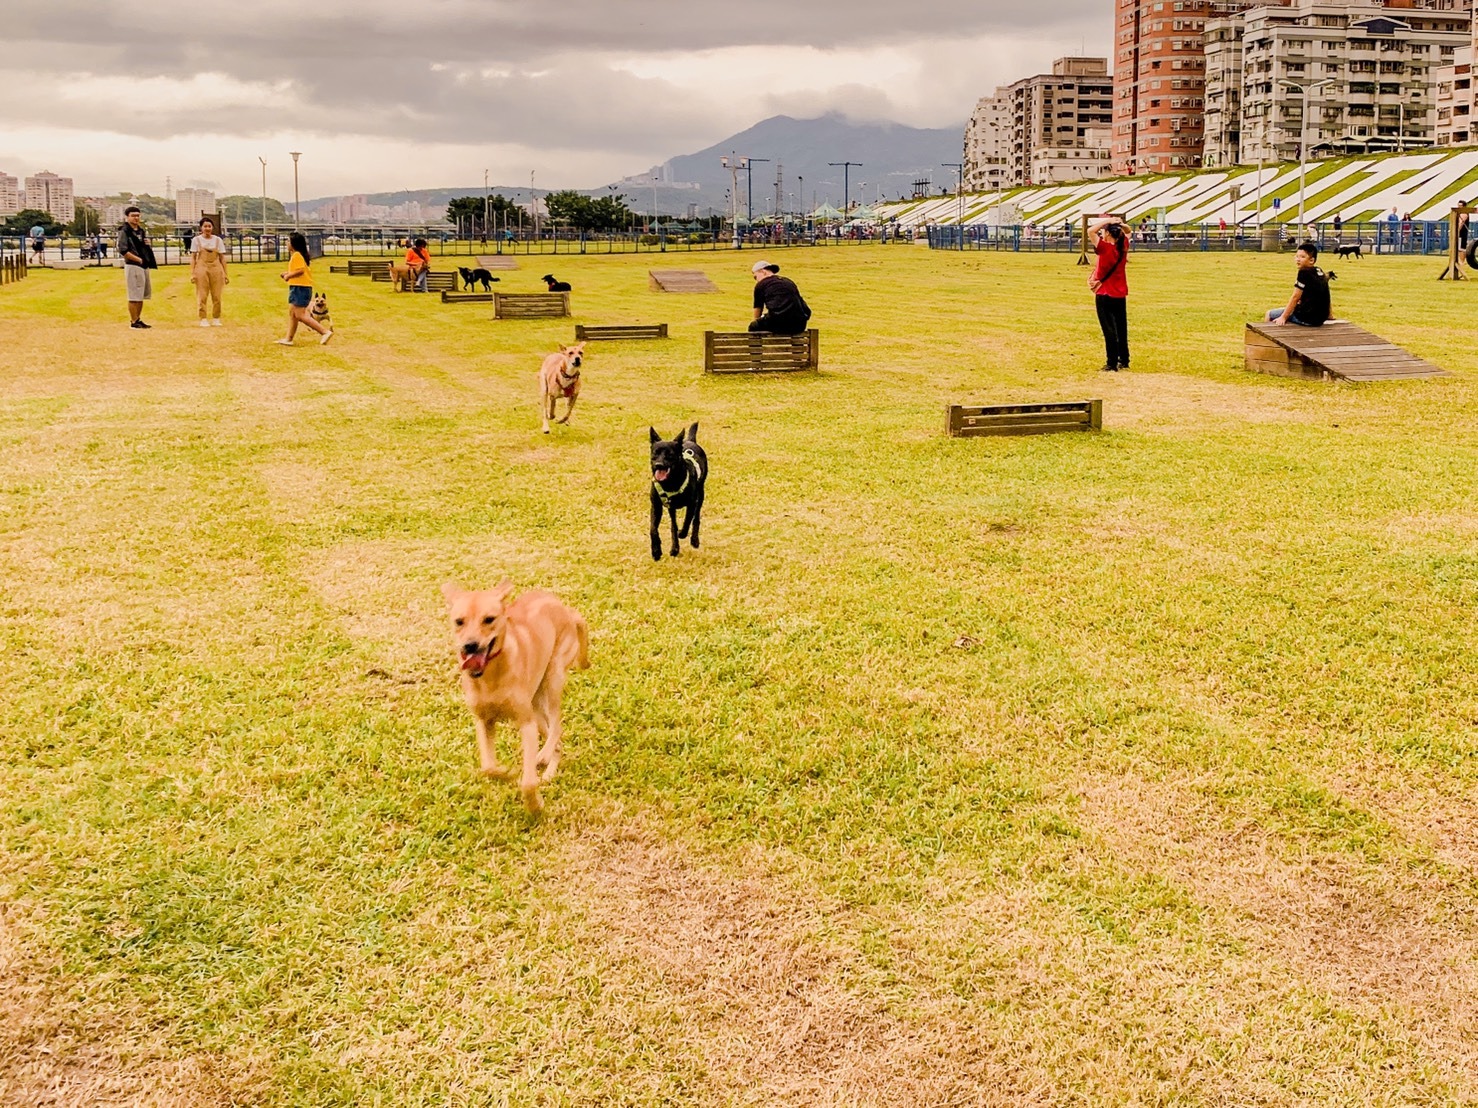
{"x": 515, "y": 659}
{"x": 560, "y": 376}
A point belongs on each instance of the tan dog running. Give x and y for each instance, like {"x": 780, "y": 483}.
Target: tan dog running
{"x": 560, "y": 376}
{"x": 515, "y": 660}
{"x": 400, "y": 277}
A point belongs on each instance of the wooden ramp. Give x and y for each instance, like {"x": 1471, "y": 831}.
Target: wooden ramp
{"x": 1338, "y": 351}
{"x": 496, "y": 261}
{"x": 680, "y": 280}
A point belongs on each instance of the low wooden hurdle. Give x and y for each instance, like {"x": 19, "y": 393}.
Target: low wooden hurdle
{"x": 985, "y": 420}
{"x": 531, "y": 305}
{"x": 615, "y": 333}
{"x": 435, "y": 282}
{"x": 759, "y": 352}
{"x": 453, "y": 297}
{"x": 1337, "y": 351}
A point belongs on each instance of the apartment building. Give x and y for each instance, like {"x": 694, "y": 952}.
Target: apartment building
{"x": 1068, "y": 110}
{"x": 1370, "y": 70}
{"x": 10, "y": 194}
{"x": 191, "y": 204}
{"x": 1454, "y": 98}
{"x": 988, "y": 143}
{"x": 1160, "y": 82}
{"x": 46, "y": 192}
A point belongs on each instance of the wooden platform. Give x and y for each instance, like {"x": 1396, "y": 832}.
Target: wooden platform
{"x": 757, "y": 352}
{"x": 495, "y": 262}
{"x": 1338, "y": 351}
{"x": 980, "y": 420}
{"x": 615, "y": 333}
{"x": 680, "y": 280}
{"x": 530, "y": 305}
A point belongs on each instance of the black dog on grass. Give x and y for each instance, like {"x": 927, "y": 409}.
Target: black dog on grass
{"x": 1350, "y": 251}
{"x": 555, "y": 286}
{"x": 478, "y": 276}
{"x": 679, "y": 471}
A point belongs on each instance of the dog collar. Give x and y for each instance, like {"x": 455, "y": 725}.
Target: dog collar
{"x": 690, "y": 465}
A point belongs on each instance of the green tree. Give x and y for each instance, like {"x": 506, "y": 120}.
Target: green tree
{"x": 23, "y": 220}
{"x": 467, "y": 212}
{"x": 584, "y": 213}
{"x": 240, "y": 212}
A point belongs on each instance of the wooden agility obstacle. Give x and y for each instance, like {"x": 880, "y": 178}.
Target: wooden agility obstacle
{"x": 983, "y": 420}
{"x": 1337, "y": 351}
{"x": 680, "y": 280}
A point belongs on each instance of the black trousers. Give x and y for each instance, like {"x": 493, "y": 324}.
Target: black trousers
{"x": 1113, "y": 317}
{"x": 780, "y": 324}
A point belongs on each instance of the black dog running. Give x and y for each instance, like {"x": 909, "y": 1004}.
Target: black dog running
{"x": 679, "y": 472}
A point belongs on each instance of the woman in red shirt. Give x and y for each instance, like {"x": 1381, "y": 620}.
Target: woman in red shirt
{"x": 1111, "y": 291}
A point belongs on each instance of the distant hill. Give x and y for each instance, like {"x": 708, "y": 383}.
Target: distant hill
{"x": 893, "y": 156}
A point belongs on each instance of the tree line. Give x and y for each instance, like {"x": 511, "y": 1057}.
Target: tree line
{"x": 566, "y": 207}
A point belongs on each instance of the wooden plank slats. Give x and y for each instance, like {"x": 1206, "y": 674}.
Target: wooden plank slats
{"x": 680, "y": 280}
{"x": 1337, "y": 351}
{"x": 530, "y": 305}
{"x": 615, "y": 333}
{"x": 757, "y": 352}
{"x": 466, "y": 297}
{"x": 976, "y": 421}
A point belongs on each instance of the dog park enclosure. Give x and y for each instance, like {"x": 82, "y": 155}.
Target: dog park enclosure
{"x": 759, "y": 352}
{"x": 982, "y": 420}
{"x": 1337, "y": 351}
{"x": 531, "y": 305}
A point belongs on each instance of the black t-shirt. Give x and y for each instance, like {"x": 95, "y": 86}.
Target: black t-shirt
{"x": 1313, "y": 305}
{"x": 779, "y": 296}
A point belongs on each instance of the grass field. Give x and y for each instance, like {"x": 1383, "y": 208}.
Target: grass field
{"x": 1130, "y": 768}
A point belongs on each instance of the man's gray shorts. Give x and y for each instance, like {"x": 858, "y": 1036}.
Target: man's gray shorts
{"x": 139, "y": 285}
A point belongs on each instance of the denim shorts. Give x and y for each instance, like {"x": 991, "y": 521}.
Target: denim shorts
{"x": 299, "y": 296}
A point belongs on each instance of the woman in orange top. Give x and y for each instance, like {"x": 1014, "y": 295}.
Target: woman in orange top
{"x": 299, "y": 278}
{"x": 419, "y": 262}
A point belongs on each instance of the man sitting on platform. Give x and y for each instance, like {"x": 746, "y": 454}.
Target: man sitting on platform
{"x": 779, "y": 307}
{"x": 1309, "y": 305}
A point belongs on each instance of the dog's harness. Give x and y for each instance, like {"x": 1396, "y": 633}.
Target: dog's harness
{"x": 690, "y": 466}
{"x": 566, "y": 384}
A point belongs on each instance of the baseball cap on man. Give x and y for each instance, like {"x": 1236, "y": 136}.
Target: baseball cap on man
{"x": 763, "y": 265}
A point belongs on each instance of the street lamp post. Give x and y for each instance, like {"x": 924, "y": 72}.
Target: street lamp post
{"x": 1303, "y": 136}
{"x": 487, "y": 201}
{"x": 959, "y": 169}
{"x": 749, "y": 187}
{"x": 297, "y": 209}
{"x": 264, "y": 203}
{"x": 653, "y": 227}
{"x": 846, "y": 193}
{"x": 734, "y": 163}
{"x": 804, "y": 214}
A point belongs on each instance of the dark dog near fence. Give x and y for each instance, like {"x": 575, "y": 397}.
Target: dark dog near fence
{"x": 478, "y": 276}
{"x": 1351, "y": 251}
{"x": 679, "y": 473}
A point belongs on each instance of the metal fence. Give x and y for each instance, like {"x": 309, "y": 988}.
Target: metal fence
{"x": 1380, "y": 237}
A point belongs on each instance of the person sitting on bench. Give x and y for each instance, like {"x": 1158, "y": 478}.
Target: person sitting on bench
{"x": 418, "y": 261}
{"x": 779, "y": 307}
{"x": 1309, "y": 305}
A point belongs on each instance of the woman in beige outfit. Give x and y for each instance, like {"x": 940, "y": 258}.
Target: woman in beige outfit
{"x": 208, "y": 270}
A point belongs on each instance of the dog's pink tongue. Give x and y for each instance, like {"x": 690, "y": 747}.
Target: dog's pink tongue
{"x": 660, "y": 474}
{"x": 475, "y": 661}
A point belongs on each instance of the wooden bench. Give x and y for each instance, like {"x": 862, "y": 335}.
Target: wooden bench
{"x": 364, "y": 267}
{"x": 613, "y": 333}
{"x": 759, "y": 352}
{"x": 1338, "y": 351}
{"x": 530, "y": 305}
{"x": 977, "y": 421}
{"x": 679, "y": 280}
{"x": 466, "y": 297}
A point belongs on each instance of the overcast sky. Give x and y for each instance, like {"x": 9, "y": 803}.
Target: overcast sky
{"x": 382, "y": 95}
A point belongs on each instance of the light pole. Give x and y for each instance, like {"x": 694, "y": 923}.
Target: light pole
{"x": 846, "y": 193}
{"x": 653, "y": 227}
{"x": 734, "y": 163}
{"x": 749, "y": 187}
{"x": 1303, "y": 136}
{"x": 800, "y": 184}
{"x": 297, "y": 210}
{"x": 487, "y": 201}
{"x": 959, "y": 169}
{"x": 264, "y": 200}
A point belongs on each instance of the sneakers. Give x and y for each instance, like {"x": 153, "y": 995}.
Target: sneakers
{"x": 205, "y": 323}
{"x": 323, "y": 338}
{"x": 215, "y": 323}
{"x": 284, "y": 342}
{"x": 1108, "y": 367}
{"x": 139, "y": 325}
